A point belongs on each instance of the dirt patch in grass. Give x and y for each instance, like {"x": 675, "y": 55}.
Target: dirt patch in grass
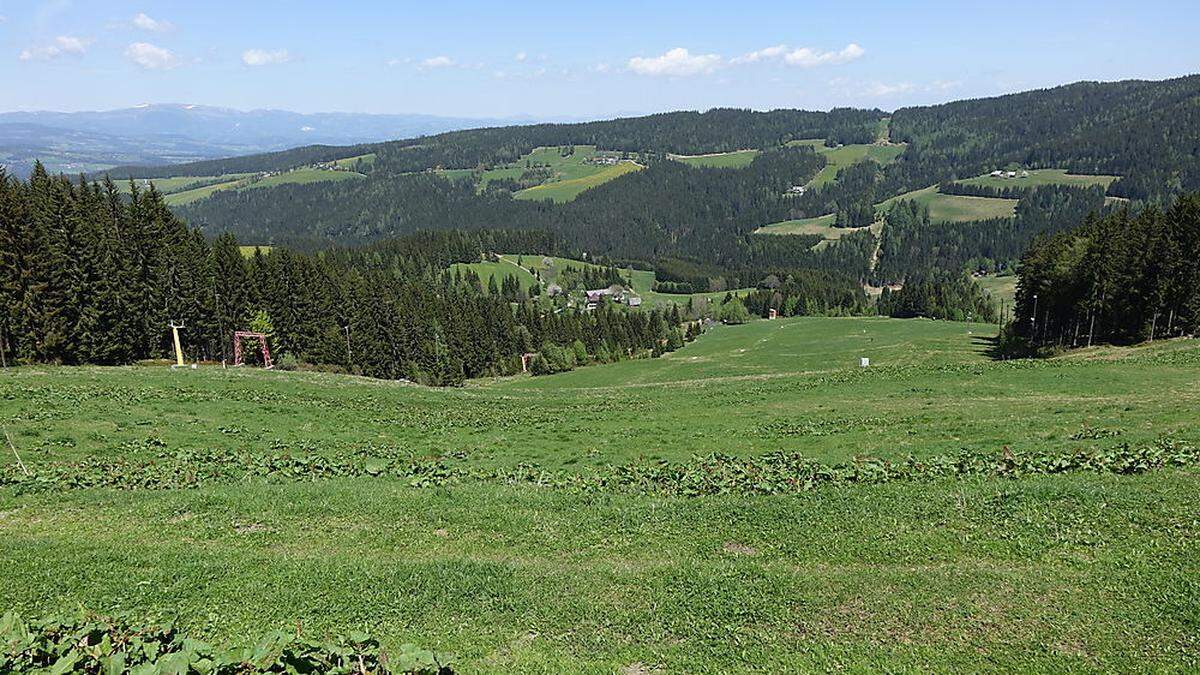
{"x": 735, "y": 548}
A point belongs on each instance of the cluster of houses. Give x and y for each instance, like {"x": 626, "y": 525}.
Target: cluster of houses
{"x": 1009, "y": 174}
{"x": 615, "y": 293}
{"x": 602, "y": 160}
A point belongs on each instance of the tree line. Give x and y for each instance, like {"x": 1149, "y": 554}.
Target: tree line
{"x": 1120, "y": 277}
{"x": 90, "y": 276}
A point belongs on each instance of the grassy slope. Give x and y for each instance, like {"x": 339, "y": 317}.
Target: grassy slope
{"x": 721, "y": 160}
{"x": 571, "y": 174}
{"x": 1046, "y": 573}
{"x": 196, "y": 194}
{"x": 565, "y": 190}
{"x": 838, "y": 158}
{"x": 299, "y": 176}
{"x": 180, "y": 184}
{"x": 955, "y": 208}
{"x": 498, "y": 271}
{"x": 1002, "y": 288}
{"x": 302, "y": 176}
{"x": 1038, "y": 177}
{"x": 248, "y": 251}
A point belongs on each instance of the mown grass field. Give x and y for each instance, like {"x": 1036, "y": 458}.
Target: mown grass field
{"x": 840, "y": 157}
{"x": 942, "y": 208}
{"x": 248, "y": 251}
{"x": 498, "y": 271}
{"x": 1001, "y": 288}
{"x": 1039, "y": 177}
{"x": 169, "y": 186}
{"x": 1078, "y": 571}
{"x": 720, "y": 160}
{"x": 955, "y": 208}
{"x": 565, "y": 190}
{"x": 181, "y": 190}
{"x": 570, "y": 174}
{"x": 821, "y": 225}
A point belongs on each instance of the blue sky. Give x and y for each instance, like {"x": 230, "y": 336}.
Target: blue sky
{"x": 570, "y": 59}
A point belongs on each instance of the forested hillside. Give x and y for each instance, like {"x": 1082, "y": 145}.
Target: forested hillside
{"x": 89, "y": 277}
{"x": 1146, "y": 132}
{"x": 669, "y": 210}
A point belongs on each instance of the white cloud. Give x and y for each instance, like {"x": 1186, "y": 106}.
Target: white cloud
{"x": 63, "y": 45}
{"x": 520, "y": 56}
{"x": 677, "y": 62}
{"x": 151, "y": 57}
{"x": 3, "y": 18}
{"x": 600, "y": 68}
{"x": 806, "y": 57}
{"x": 767, "y": 54}
{"x": 141, "y": 20}
{"x": 438, "y": 62}
{"x": 265, "y": 57}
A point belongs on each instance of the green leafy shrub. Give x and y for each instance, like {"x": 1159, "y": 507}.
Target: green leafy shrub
{"x": 84, "y": 642}
{"x": 773, "y": 473}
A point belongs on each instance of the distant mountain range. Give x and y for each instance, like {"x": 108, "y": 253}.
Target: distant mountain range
{"x": 172, "y": 133}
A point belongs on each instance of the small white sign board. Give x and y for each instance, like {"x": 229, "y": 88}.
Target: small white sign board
{"x": 864, "y": 362}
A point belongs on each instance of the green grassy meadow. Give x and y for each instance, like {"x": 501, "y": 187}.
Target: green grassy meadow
{"x": 168, "y": 186}
{"x": 821, "y": 225}
{"x": 955, "y": 208}
{"x": 182, "y": 190}
{"x": 567, "y": 189}
{"x": 720, "y": 160}
{"x": 570, "y": 174}
{"x": 301, "y": 177}
{"x": 1038, "y": 177}
{"x": 498, "y": 271}
{"x": 843, "y": 156}
{"x": 1001, "y": 288}
{"x": 1078, "y": 571}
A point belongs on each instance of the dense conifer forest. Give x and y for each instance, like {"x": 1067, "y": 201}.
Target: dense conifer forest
{"x": 89, "y": 277}
{"x": 1121, "y": 278}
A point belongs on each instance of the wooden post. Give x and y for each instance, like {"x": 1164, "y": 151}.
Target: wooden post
{"x": 178, "y": 346}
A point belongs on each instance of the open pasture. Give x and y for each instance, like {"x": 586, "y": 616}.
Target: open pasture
{"x": 843, "y": 156}
{"x": 955, "y": 208}
{"x": 1077, "y": 571}
{"x": 1044, "y": 572}
{"x": 570, "y": 174}
{"x": 719, "y": 160}
{"x": 1038, "y": 177}
{"x": 567, "y": 189}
